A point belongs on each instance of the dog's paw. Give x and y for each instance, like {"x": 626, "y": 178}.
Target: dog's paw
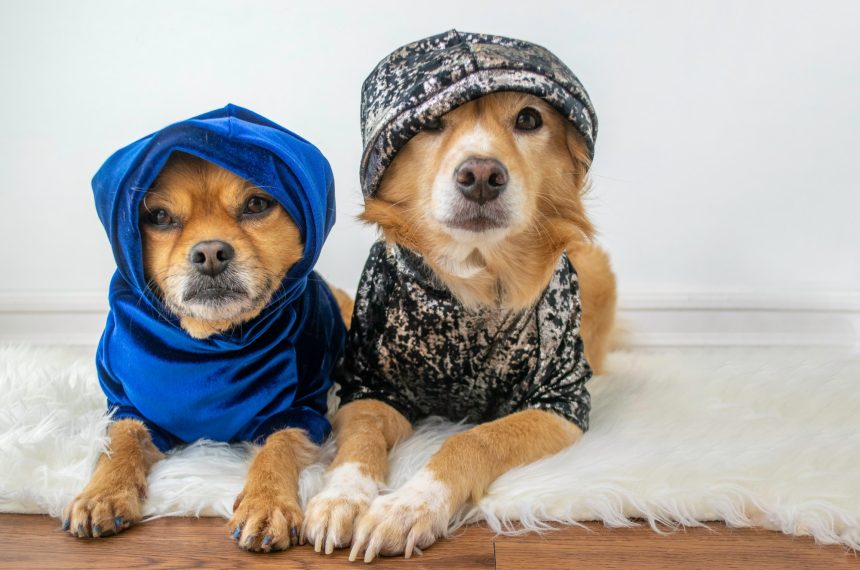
{"x": 100, "y": 513}
{"x": 263, "y": 522}
{"x": 407, "y": 520}
{"x": 331, "y": 515}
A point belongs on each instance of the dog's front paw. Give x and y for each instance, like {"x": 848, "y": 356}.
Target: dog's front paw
{"x": 331, "y": 515}
{"x": 407, "y": 520}
{"x": 263, "y": 522}
{"x": 100, "y": 512}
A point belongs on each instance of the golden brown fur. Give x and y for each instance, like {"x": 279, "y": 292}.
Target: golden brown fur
{"x": 208, "y": 201}
{"x": 509, "y": 269}
{"x": 266, "y": 513}
{"x": 527, "y": 436}
{"x": 345, "y": 303}
{"x": 372, "y": 429}
{"x": 112, "y": 500}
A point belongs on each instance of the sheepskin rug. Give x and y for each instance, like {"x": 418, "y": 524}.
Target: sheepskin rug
{"x": 766, "y": 437}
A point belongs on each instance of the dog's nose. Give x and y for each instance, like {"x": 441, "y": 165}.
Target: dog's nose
{"x": 481, "y": 180}
{"x": 211, "y": 257}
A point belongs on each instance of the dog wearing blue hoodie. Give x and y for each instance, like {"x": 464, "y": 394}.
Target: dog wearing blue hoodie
{"x": 218, "y": 328}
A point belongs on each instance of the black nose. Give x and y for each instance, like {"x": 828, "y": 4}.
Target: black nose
{"x": 481, "y": 180}
{"x": 211, "y": 257}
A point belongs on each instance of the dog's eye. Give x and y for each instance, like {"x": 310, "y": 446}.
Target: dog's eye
{"x": 529, "y": 119}
{"x": 159, "y": 217}
{"x": 257, "y": 205}
{"x": 432, "y": 124}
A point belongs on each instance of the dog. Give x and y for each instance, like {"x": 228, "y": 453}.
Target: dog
{"x": 217, "y": 254}
{"x": 483, "y": 222}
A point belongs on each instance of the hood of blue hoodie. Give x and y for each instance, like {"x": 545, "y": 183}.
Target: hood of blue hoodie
{"x": 272, "y": 372}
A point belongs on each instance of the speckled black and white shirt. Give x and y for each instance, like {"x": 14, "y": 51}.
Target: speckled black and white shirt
{"x": 414, "y": 346}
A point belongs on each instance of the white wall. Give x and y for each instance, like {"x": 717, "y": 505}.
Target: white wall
{"x": 726, "y": 158}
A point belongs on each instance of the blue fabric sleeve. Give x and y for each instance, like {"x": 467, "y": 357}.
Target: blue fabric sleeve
{"x": 314, "y": 423}
{"x": 162, "y": 440}
{"x": 319, "y": 351}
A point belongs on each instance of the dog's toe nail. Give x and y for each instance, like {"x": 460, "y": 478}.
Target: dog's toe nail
{"x": 97, "y": 530}
{"x": 237, "y": 532}
{"x": 118, "y": 522}
{"x": 353, "y": 554}
{"x": 267, "y": 540}
{"x": 67, "y": 524}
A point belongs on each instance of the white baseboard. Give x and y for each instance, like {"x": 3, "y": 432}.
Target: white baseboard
{"x": 648, "y": 319}
{"x": 740, "y": 318}
{"x": 53, "y": 317}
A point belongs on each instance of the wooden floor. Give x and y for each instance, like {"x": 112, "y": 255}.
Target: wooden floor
{"x": 37, "y": 542}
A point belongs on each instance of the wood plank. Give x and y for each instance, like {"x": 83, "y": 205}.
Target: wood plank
{"x": 640, "y": 547}
{"x": 31, "y": 541}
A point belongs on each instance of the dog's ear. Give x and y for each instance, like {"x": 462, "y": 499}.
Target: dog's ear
{"x": 579, "y": 156}
{"x": 390, "y": 219}
{"x": 577, "y": 226}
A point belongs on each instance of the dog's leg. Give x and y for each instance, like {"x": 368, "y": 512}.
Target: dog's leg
{"x": 111, "y": 501}
{"x": 418, "y": 513}
{"x": 365, "y": 431}
{"x": 597, "y": 292}
{"x": 266, "y": 514}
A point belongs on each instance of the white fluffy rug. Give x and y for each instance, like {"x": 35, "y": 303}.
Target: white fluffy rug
{"x": 750, "y": 437}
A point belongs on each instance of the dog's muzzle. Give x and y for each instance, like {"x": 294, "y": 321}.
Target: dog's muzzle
{"x": 481, "y": 180}
{"x": 222, "y": 288}
{"x": 211, "y": 257}
{"x": 480, "y": 183}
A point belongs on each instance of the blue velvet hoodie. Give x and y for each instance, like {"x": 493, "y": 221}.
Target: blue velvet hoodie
{"x": 271, "y": 373}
